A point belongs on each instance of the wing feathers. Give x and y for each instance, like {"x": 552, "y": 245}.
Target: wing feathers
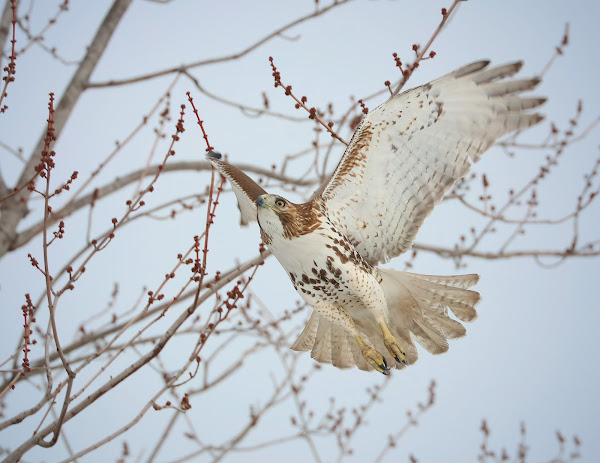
{"x": 499, "y": 72}
{"x": 403, "y": 157}
{"x": 408, "y": 152}
{"x": 246, "y": 190}
{"x": 469, "y": 69}
{"x": 506, "y": 88}
{"x": 518, "y": 104}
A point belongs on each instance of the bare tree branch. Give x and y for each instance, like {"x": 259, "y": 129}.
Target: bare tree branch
{"x": 15, "y": 208}
{"x": 220, "y": 59}
{"x": 203, "y": 306}
{"x": 26, "y": 235}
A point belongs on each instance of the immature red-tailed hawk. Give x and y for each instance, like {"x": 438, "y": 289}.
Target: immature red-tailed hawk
{"x": 403, "y": 157}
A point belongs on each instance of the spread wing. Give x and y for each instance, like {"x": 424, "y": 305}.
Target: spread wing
{"x": 408, "y": 152}
{"x": 246, "y": 190}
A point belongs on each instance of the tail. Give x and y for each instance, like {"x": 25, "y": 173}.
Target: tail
{"x": 418, "y": 308}
{"x": 330, "y": 343}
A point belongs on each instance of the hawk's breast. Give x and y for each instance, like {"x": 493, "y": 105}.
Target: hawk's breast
{"x": 323, "y": 266}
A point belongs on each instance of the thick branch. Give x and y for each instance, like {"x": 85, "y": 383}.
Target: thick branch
{"x": 5, "y": 25}
{"x": 15, "y": 208}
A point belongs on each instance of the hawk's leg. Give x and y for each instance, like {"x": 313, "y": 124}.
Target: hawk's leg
{"x": 373, "y": 358}
{"x": 340, "y": 317}
{"x": 374, "y": 300}
{"x": 392, "y": 344}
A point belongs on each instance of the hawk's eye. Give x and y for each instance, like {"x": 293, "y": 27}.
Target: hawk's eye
{"x": 280, "y": 203}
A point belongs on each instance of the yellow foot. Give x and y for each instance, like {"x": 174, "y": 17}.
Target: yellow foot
{"x": 373, "y": 358}
{"x": 392, "y": 345}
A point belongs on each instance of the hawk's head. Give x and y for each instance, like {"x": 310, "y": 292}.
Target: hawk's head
{"x": 279, "y": 217}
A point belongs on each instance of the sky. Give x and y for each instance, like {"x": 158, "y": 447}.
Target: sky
{"x": 527, "y": 358}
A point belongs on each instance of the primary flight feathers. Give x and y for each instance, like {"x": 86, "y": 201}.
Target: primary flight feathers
{"x": 403, "y": 157}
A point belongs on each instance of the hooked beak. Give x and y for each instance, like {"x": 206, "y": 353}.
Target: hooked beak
{"x": 261, "y": 201}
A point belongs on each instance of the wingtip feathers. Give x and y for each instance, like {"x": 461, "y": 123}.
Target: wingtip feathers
{"x": 470, "y": 68}
{"x": 213, "y": 155}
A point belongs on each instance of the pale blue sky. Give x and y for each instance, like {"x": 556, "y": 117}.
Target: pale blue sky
{"x": 529, "y": 357}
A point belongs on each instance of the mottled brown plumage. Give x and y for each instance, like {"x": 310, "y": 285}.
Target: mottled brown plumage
{"x": 403, "y": 157}
{"x": 301, "y": 219}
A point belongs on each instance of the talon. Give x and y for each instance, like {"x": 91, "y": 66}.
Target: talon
{"x": 373, "y": 358}
{"x": 392, "y": 345}
{"x": 403, "y": 361}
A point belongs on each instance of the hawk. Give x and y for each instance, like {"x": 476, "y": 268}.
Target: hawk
{"x": 403, "y": 157}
